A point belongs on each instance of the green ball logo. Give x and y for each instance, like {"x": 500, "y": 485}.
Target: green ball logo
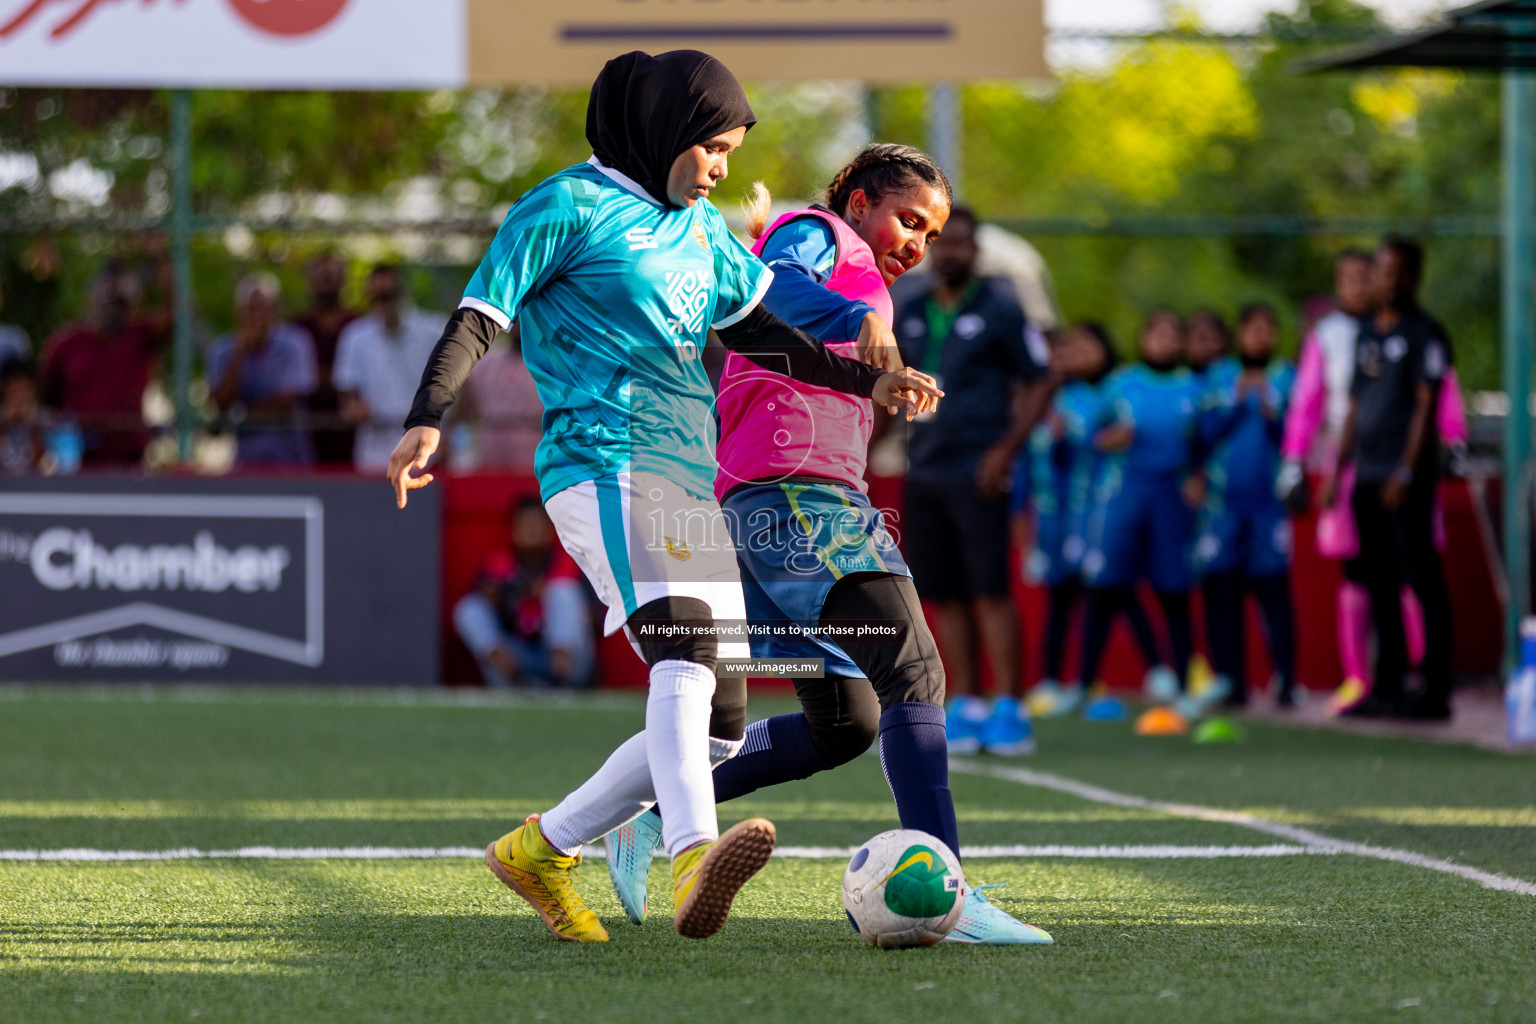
{"x": 921, "y": 885}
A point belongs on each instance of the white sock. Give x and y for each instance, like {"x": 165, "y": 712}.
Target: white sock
{"x": 618, "y": 791}
{"x": 677, "y": 746}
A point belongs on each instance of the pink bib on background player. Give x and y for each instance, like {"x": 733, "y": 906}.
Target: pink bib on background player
{"x": 772, "y": 426}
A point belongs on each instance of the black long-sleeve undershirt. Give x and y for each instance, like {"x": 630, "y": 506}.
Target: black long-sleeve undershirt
{"x": 759, "y": 336}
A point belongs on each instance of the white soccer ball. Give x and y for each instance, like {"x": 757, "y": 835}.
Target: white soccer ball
{"x": 903, "y": 888}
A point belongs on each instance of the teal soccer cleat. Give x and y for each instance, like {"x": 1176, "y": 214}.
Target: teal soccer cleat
{"x": 982, "y": 924}
{"x": 629, "y": 861}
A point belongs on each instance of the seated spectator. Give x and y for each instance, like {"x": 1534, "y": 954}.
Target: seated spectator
{"x": 379, "y": 360}
{"x": 260, "y": 376}
{"x": 21, "y": 434}
{"x": 14, "y": 343}
{"x": 502, "y": 401}
{"x": 527, "y": 619}
{"x": 95, "y": 373}
{"x": 324, "y": 319}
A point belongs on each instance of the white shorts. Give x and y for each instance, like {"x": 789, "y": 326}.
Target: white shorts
{"x": 639, "y": 537}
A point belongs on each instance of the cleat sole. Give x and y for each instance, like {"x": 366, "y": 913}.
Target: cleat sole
{"x": 500, "y": 871}
{"x": 737, "y": 856}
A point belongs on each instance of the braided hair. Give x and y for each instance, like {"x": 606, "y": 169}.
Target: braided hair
{"x": 880, "y": 169}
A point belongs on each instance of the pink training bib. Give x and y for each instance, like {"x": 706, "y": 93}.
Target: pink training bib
{"x": 772, "y": 426}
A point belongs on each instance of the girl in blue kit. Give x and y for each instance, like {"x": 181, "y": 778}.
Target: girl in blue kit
{"x": 1247, "y": 542}
{"x": 1064, "y": 465}
{"x": 1142, "y": 524}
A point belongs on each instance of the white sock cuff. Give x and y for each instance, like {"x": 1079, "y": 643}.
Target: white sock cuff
{"x": 673, "y": 678}
{"x": 721, "y": 751}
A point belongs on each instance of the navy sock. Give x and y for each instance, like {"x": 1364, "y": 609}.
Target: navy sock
{"x": 915, "y": 758}
{"x": 774, "y": 750}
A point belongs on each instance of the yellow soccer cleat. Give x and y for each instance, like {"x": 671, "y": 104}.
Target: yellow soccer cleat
{"x": 706, "y": 877}
{"x": 533, "y": 869}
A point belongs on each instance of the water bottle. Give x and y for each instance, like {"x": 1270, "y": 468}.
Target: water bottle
{"x": 1520, "y": 694}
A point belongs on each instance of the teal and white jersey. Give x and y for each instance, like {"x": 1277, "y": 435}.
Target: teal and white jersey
{"x": 615, "y": 295}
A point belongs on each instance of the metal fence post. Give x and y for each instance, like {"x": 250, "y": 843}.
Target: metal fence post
{"x": 946, "y": 128}
{"x": 181, "y": 257}
{"x": 1519, "y": 258}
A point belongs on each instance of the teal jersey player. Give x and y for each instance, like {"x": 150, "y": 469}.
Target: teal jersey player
{"x": 615, "y": 294}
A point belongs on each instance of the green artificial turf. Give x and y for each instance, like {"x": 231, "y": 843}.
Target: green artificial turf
{"x": 1325, "y": 938}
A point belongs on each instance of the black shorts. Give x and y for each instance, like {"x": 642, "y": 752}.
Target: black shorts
{"x": 956, "y": 542}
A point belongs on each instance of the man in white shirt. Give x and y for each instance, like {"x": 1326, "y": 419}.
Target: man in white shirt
{"x": 379, "y": 359}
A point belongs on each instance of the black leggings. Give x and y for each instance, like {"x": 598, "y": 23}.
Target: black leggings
{"x": 844, "y": 714}
{"x": 1226, "y": 626}
{"x": 1104, "y": 602}
{"x": 1058, "y": 620}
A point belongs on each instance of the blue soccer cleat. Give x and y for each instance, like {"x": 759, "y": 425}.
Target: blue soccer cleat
{"x": 629, "y": 861}
{"x": 963, "y": 721}
{"x": 982, "y": 924}
{"x": 1008, "y": 732}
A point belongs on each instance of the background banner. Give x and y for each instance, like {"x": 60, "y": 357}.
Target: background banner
{"x": 413, "y": 44}
{"x": 319, "y": 580}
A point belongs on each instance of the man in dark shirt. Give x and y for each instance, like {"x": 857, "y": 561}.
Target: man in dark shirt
{"x": 324, "y": 319}
{"x": 95, "y": 372}
{"x": 970, "y": 333}
{"x": 1401, "y": 357}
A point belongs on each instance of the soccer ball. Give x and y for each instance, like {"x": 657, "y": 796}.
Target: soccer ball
{"x": 903, "y": 888}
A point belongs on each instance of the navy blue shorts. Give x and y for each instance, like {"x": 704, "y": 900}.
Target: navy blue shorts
{"x": 1141, "y": 529}
{"x": 794, "y": 541}
{"x": 1255, "y": 540}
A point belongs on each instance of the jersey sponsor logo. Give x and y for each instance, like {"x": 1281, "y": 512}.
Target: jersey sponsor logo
{"x": 687, "y": 300}
{"x": 1394, "y": 348}
{"x": 969, "y": 325}
{"x": 641, "y": 238}
{"x": 1039, "y": 348}
{"x": 1434, "y": 360}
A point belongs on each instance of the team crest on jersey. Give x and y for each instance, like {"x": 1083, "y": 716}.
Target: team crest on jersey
{"x": 700, "y": 237}
{"x": 687, "y": 301}
{"x": 678, "y": 549}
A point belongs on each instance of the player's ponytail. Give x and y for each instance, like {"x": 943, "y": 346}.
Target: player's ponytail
{"x": 757, "y": 207}
{"x": 882, "y": 168}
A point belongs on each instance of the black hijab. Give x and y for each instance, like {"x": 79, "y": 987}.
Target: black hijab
{"x": 646, "y": 111}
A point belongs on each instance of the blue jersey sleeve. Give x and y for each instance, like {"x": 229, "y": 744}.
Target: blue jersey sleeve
{"x": 802, "y": 255}
{"x": 740, "y": 277}
{"x": 540, "y": 236}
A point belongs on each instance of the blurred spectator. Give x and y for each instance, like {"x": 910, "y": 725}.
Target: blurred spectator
{"x": 527, "y": 621}
{"x": 95, "y": 372}
{"x": 260, "y": 375}
{"x": 14, "y": 343}
{"x": 1246, "y": 544}
{"x": 1401, "y": 359}
{"x": 502, "y": 401}
{"x": 1206, "y": 340}
{"x": 324, "y": 319}
{"x": 21, "y": 435}
{"x": 379, "y": 360}
{"x": 970, "y": 333}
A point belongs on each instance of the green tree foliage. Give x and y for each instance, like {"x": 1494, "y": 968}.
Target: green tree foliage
{"x": 1214, "y": 133}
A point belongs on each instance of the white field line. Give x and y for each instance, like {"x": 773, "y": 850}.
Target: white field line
{"x": 1313, "y": 841}
{"x": 1158, "y": 852}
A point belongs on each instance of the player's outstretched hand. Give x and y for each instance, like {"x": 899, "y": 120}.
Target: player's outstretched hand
{"x": 413, "y": 451}
{"x": 907, "y": 387}
{"x": 877, "y": 343}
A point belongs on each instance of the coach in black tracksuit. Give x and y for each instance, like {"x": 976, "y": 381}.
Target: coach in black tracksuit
{"x": 1401, "y": 357}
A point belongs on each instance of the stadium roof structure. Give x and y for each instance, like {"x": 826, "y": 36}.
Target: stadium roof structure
{"x": 1499, "y": 36}
{"x": 1495, "y": 35}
